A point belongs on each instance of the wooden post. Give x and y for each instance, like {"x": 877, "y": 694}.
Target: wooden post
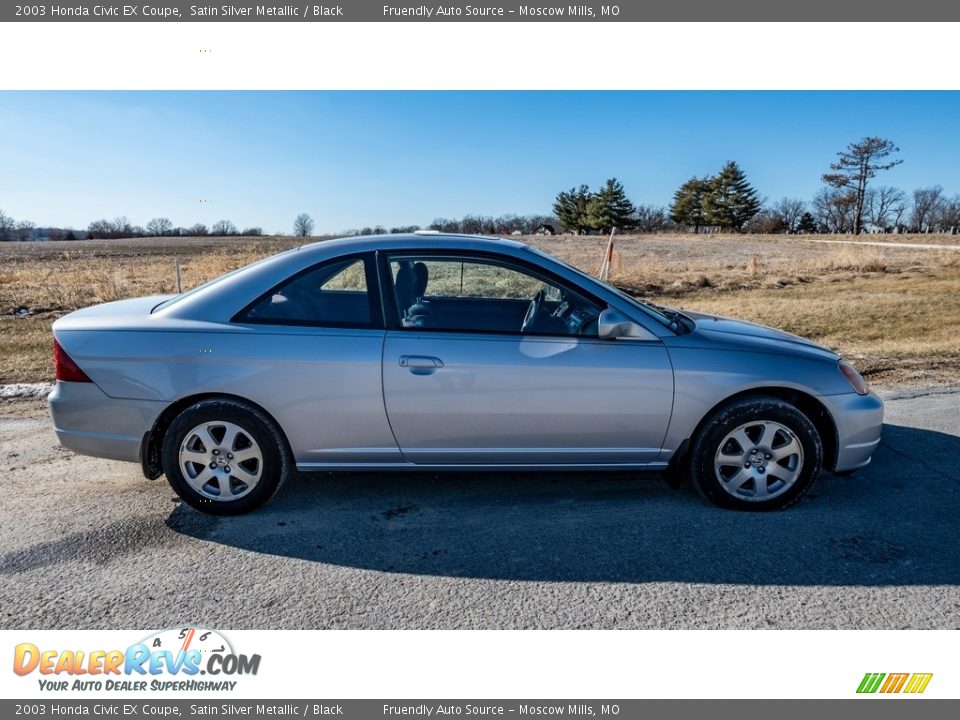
{"x": 607, "y": 258}
{"x": 176, "y": 269}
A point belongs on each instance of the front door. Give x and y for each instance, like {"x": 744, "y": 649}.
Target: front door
{"x": 493, "y": 364}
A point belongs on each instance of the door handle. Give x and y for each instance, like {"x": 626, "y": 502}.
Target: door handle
{"x": 420, "y": 361}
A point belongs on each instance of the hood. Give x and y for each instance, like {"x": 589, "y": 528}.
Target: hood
{"x": 727, "y": 328}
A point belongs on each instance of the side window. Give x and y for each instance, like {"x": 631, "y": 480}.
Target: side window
{"x": 472, "y": 294}
{"x": 333, "y": 294}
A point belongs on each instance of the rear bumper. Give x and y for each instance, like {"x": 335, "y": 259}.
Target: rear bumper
{"x": 859, "y": 419}
{"x": 89, "y": 422}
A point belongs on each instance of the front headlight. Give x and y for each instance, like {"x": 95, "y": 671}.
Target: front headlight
{"x": 853, "y": 377}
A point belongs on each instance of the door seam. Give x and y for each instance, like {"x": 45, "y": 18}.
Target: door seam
{"x": 383, "y": 394}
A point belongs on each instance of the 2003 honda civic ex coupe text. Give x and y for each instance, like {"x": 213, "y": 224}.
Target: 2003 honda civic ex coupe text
{"x": 447, "y": 352}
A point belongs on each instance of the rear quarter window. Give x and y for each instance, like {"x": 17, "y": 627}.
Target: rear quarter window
{"x": 334, "y": 294}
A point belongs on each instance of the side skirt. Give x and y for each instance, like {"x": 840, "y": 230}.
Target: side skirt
{"x": 561, "y": 467}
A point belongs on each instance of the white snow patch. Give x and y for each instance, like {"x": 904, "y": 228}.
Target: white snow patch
{"x": 25, "y": 390}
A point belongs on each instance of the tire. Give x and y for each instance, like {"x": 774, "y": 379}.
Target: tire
{"x": 204, "y": 477}
{"x": 755, "y": 454}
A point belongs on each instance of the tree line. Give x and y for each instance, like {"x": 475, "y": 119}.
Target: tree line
{"x": 121, "y": 227}
{"x": 303, "y": 226}
{"x": 13, "y": 230}
{"x": 849, "y": 202}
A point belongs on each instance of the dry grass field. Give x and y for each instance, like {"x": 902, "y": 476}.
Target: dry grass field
{"x": 894, "y": 310}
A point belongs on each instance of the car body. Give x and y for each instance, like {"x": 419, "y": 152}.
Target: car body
{"x": 502, "y": 357}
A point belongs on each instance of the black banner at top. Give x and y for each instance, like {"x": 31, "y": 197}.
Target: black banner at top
{"x": 483, "y": 11}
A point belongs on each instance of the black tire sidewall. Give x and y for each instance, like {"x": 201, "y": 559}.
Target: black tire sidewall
{"x": 253, "y": 422}
{"x": 720, "y": 423}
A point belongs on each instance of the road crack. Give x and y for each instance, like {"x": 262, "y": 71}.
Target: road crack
{"x": 921, "y": 463}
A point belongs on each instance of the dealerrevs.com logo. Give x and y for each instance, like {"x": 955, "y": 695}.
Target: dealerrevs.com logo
{"x": 910, "y": 683}
{"x": 172, "y": 659}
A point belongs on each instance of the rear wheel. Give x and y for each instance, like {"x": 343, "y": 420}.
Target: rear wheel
{"x": 224, "y": 457}
{"x": 758, "y": 453}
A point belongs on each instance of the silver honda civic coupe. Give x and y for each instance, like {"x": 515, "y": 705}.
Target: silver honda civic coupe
{"x": 430, "y": 351}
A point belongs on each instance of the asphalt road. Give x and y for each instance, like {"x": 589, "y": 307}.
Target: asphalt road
{"x": 91, "y": 544}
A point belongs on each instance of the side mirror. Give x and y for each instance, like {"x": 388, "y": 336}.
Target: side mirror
{"x": 614, "y": 324}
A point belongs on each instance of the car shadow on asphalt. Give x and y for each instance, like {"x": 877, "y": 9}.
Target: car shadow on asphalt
{"x": 893, "y": 523}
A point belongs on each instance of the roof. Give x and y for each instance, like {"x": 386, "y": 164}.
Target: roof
{"x": 420, "y": 240}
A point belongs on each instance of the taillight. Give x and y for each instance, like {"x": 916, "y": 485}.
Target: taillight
{"x": 66, "y": 369}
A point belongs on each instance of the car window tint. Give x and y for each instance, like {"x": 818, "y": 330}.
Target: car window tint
{"x": 479, "y": 295}
{"x": 333, "y": 295}
{"x": 478, "y": 280}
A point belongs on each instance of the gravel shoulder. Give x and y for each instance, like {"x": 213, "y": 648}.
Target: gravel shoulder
{"x": 91, "y": 544}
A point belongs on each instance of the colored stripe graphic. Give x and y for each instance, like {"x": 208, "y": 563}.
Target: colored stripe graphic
{"x": 894, "y": 683}
{"x": 918, "y": 682}
{"x": 870, "y": 682}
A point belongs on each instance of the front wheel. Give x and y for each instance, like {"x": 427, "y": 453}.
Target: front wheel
{"x": 223, "y": 457}
{"x": 758, "y": 453}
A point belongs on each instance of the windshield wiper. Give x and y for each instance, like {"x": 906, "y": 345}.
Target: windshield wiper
{"x": 677, "y": 319}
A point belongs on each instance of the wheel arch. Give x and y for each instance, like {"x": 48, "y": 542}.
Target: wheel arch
{"x": 150, "y": 445}
{"x": 806, "y": 403}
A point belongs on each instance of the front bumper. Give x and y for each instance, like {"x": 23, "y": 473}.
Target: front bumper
{"x": 859, "y": 419}
{"x": 90, "y": 422}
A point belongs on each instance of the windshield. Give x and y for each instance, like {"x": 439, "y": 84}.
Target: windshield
{"x": 654, "y": 311}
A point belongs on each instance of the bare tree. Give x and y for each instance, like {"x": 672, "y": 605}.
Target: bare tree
{"x": 100, "y": 229}
{"x": 787, "y": 213}
{"x": 833, "y": 210}
{"x": 252, "y": 232}
{"x": 531, "y": 223}
{"x": 444, "y": 225}
{"x": 223, "y": 227}
{"x": 7, "y": 227}
{"x": 472, "y": 225}
{"x": 24, "y": 230}
{"x": 926, "y": 205}
{"x": 899, "y": 214}
{"x": 303, "y": 225}
{"x": 197, "y": 230}
{"x": 948, "y": 217}
{"x": 885, "y": 207}
{"x": 650, "y": 218}
{"x": 122, "y": 227}
{"x": 765, "y": 222}
{"x": 159, "y": 226}
{"x": 855, "y": 167}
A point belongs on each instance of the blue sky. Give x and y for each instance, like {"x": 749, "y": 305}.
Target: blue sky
{"x": 394, "y": 158}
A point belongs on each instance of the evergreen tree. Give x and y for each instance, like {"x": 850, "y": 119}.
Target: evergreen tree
{"x": 609, "y": 208}
{"x": 731, "y": 200}
{"x": 854, "y": 169}
{"x": 688, "y": 203}
{"x": 571, "y": 209}
{"x": 807, "y": 224}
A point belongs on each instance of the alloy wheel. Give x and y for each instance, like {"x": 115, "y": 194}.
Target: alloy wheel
{"x": 759, "y": 460}
{"x": 221, "y": 460}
